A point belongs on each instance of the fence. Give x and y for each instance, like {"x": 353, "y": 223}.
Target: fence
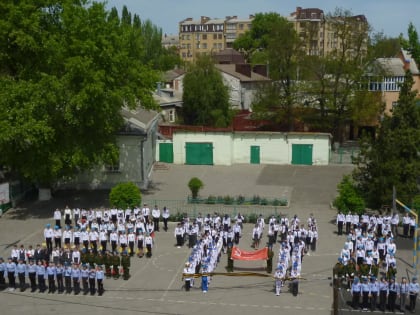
{"x": 343, "y": 155}
{"x": 193, "y": 209}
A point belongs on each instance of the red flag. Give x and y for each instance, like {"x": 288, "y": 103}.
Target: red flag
{"x": 239, "y": 254}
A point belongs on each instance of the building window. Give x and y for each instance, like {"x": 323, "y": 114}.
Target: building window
{"x": 204, "y": 36}
{"x": 241, "y": 26}
{"x": 220, "y": 46}
{"x": 197, "y": 36}
{"x": 230, "y": 27}
{"x": 220, "y": 36}
{"x": 214, "y": 45}
{"x": 204, "y": 46}
{"x": 171, "y": 115}
{"x": 214, "y": 36}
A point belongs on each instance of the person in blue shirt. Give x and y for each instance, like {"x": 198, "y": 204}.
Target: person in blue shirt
{"x": 40, "y": 273}
{"x": 374, "y": 291}
{"x": 403, "y": 293}
{"x": 51, "y": 274}
{"x": 413, "y": 291}
{"x": 85, "y": 278}
{"x": 365, "y": 288}
{"x": 31, "y": 268}
{"x": 383, "y": 293}
{"x": 75, "y": 274}
{"x": 67, "y": 277}
{"x": 356, "y": 289}
{"x": 393, "y": 290}
{"x": 21, "y": 272}
{"x": 11, "y": 273}
{"x": 92, "y": 280}
{"x": 2, "y": 274}
{"x": 59, "y": 272}
{"x": 100, "y": 279}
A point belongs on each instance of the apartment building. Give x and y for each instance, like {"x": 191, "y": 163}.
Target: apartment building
{"x": 319, "y": 33}
{"x": 207, "y": 36}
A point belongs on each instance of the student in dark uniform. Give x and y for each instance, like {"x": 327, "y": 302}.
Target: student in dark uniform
{"x": 92, "y": 280}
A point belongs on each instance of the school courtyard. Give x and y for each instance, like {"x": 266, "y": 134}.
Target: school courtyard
{"x": 155, "y": 286}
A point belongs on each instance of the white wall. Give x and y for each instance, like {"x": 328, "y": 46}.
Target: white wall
{"x": 222, "y": 146}
{"x": 235, "y": 148}
{"x": 273, "y": 148}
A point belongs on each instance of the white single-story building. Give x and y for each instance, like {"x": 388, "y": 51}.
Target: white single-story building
{"x": 227, "y": 148}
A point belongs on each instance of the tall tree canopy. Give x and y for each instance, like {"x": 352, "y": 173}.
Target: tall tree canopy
{"x": 66, "y": 69}
{"x": 393, "y": 157}
{"x": 205, "y": 97}
{"x": 282, "y": 51}
{"x": 412, "y": 44}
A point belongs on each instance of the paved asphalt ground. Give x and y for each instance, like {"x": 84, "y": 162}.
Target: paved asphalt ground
{"x": 155, "y": 285}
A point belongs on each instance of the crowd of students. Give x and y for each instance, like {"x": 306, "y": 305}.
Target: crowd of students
{"x": 369, "y": 254}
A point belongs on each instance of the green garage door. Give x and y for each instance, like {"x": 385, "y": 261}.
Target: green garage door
{"x": 199, "y": 153}
{"x": 166, "y": 152}
{"x": 255, "y": 154}
{"x": 302, "y": 154}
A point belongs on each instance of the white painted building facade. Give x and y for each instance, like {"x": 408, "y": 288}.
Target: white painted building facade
{"x": 227, "y": 148}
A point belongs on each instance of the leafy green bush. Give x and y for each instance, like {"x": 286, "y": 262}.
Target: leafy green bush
{"x": 251, "y": 218}
{"x": 195, "y": 184}
{"x": 255, "y": 200}
{"x": 240, "y": 200}
{"x": 349, "y": 198}
{"x": 263, "y": 202}
{"x": 227, "y": 200}
{"x": 220, "y": 199}
{"x": 283, "y": 202}
{"x": 276, "y": 202}
{"x": 416, "y": 203}
{"x": 125, "y": 195}
{"x": 211, "y": 200}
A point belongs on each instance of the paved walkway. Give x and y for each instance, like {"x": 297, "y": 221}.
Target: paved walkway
{"x": 155, "y": 285}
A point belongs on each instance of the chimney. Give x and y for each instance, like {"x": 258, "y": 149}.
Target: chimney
{"x": 204, "y": 19}
{"x": 244, "y": 69}
{"x": 251, "y": 16}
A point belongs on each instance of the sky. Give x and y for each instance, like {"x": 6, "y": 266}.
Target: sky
{"x": 388, "y": 16}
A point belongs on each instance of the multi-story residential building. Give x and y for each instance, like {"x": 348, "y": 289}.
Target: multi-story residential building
{"x": 206, "y": 36}
{"x": 322, "y": 34}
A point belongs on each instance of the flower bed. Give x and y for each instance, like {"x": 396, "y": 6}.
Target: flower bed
{"x": 239, "y": 200}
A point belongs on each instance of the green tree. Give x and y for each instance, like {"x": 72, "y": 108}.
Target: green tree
{"x": 272, "y": 40}
{"x": 205, "y": 98}
{"x": 339, "y": 74}
{"x": 195, "y": 184}
{"x": 349, "y": 199}
{"x": 254, "y": 42}
{"x": 125, "y": 195}
{"x": 392, "y": 159}
{"x": 66, "y": 69}
{"x": 381, "y": 46}
{"x": 412, "y": 44}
